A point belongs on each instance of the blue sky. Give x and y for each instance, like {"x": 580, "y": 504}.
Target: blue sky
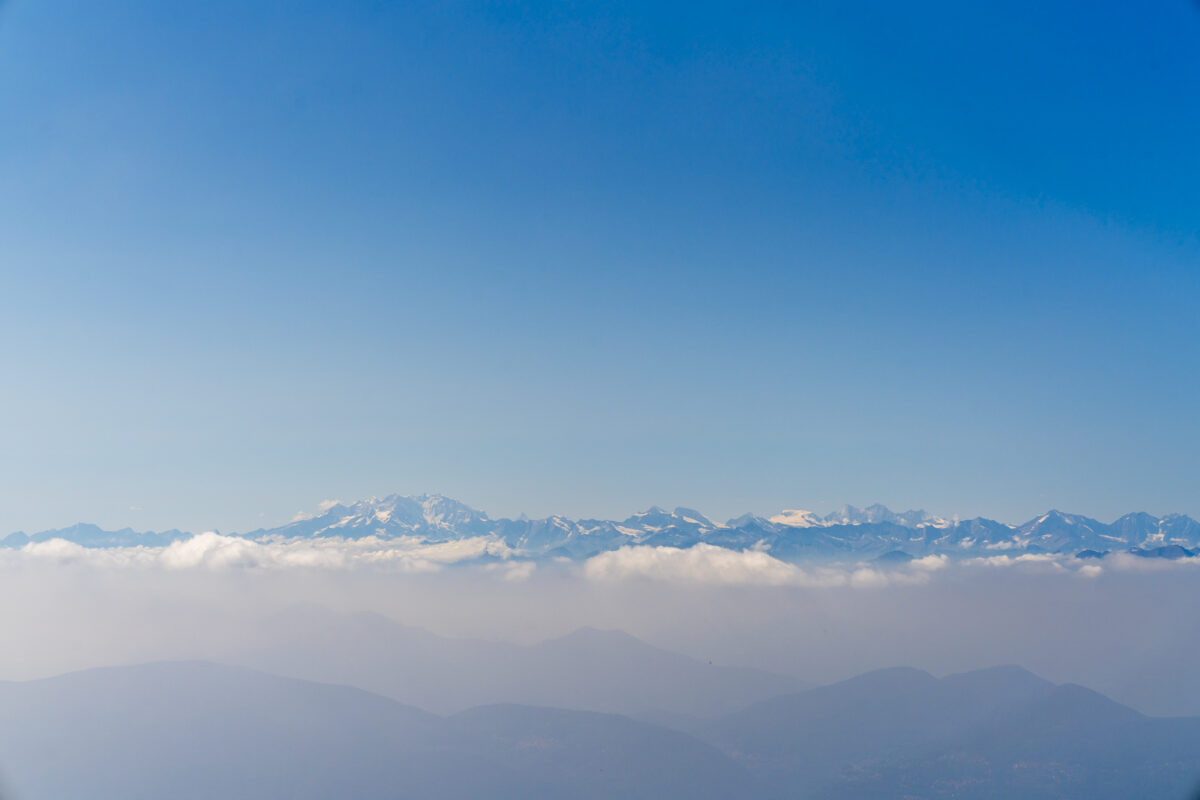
{"x": 581, "y": 257}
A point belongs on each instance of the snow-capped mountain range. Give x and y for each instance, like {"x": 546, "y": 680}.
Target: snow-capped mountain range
{"x": 792, "y": 535}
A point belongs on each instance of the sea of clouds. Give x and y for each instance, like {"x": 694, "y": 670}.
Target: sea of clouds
{"x": 1124, "y": 625}
{"x": 701, "y": 563}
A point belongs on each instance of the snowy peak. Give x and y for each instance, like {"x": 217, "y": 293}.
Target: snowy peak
{"x": 797, "y": 518}
{"x": 655, "y": 518}
{"x": 877, "y": 514}
{"x": 693, "y": 517}
{"x": 424, "y": 515}
{"x": 849, "y": 534}
{"x": 1055, "y": 530}
{"x": 850, "y": 515}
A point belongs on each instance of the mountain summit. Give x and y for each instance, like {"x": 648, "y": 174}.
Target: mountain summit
{"x": 849, "y": 534}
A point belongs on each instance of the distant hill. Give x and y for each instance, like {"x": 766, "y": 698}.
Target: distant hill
{"x": 192, "y": 730}
{"x": 197, "y": 731}
{"x": 1001, "y": 734}
{"x": 589, "y": 669}
{"x": 792, "y": 535}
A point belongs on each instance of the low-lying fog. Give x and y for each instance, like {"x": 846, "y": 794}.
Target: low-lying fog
{"x": 1130, "y": 630}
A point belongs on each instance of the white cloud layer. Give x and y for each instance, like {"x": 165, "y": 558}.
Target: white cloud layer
{"x": 703, "y": 564}
{"x": 709, "y": 564}
{"x": 215, "y": 551}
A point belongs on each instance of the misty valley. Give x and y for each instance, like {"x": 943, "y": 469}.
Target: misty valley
{"x": 413, "y": 647}
{"x": 356, "y": 705}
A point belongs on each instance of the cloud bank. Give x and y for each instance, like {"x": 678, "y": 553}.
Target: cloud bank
{"x": 700, "y": 564}
{"x": 215, "y": 551}
{"x": 1113, "y": 624}
{"x": 709, "y": 564}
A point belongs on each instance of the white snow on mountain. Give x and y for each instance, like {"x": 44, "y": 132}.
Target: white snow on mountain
{"x": 400, "y": 525}
{"x": 796, "y": 518}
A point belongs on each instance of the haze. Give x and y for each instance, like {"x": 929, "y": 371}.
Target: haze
{"x": 354, "y": 355}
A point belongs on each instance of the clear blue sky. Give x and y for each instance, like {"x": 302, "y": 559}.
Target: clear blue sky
{"x": 581, "y": 257}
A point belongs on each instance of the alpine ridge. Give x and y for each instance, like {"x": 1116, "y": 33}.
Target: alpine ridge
{"x": 849, "y": 534}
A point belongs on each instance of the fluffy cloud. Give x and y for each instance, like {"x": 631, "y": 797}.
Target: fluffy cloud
{"x": 709, "y": 564}
{"x": 702, "y": 563}
{"x": 940, "y": 561}
{"x": 1130, "y": 563}
{"x": 1008, "y": 561}
{"x": 214, "y": 551}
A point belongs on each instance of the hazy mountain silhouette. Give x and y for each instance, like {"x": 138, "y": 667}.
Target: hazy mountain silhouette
{"x": 589, "y": 669}
{"x": 995, "y": 733}
{"x": 197, "y": 730}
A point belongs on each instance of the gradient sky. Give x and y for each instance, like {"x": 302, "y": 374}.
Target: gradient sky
{"x": 582, "y": 257}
